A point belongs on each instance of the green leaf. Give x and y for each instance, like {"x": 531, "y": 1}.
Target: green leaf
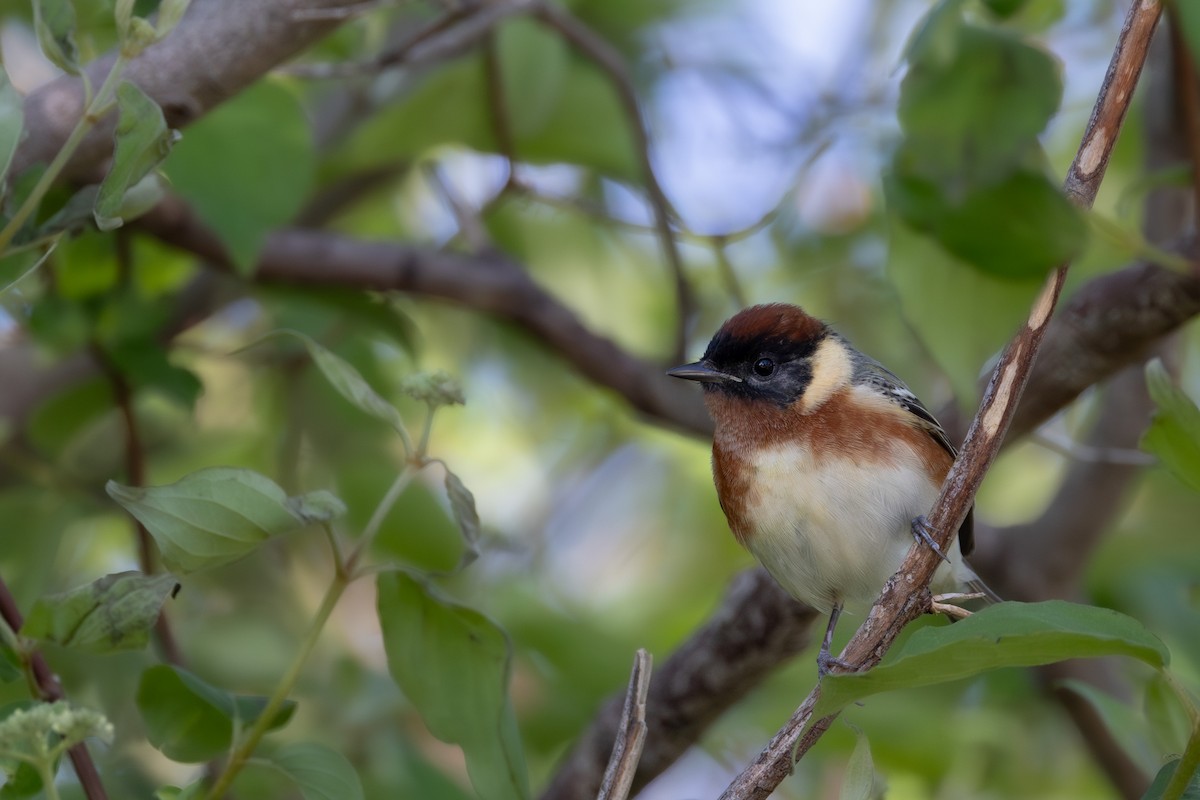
{"x": 462, "y": 506}
{"x": 54, "y": 21}
{"x": 10, "y": 665}
{"x": 318, "y": 506}
{"x": 12, "y": 122}
{"x": 1125, "y": 724}
{"x": 261, "y": 133}
{"x": 1159, "y": 786}
{"x": 192, "y": 721}
{"x": 453, "y": 665}
{"x": 1174, "y": 432}
{"x": 859, "y": 781}
{"x": 1004, "y": 8}
{"x": 169, "y": 14}
{"x": 533, "y": 66}
{"x": 23, "y": 781}
{"x": 319, "y": 773}
{"x": 210, "y": 517}
{"x": 145, "y": 363}
{"x": 347, "y": 381}
{"x": 143, "y": 140}
{"x": 1168, "y": 722}
{"x": 1017, "y": 228}
{"x": 588, "y": 127}
{"x": 963, "y": 316}
{"x": 1004, "y": 635}
{"x": 113, "y": 613}
{"x": 193, "y": 791}
{"x": 973, "y": 101}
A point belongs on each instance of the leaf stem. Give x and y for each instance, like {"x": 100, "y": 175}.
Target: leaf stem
{"x": 92, "y": 113}
{"x": 381, "y": 511}
{"x": 242, "y": 753}
{"x": 426, "y": 431}
{"x": 1189, "y": 762}
{"x": 46, "y": 771}
{"x": 1185, "y": 768}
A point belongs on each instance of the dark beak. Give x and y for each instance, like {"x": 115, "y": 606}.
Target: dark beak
{"x": 702, "y": 372}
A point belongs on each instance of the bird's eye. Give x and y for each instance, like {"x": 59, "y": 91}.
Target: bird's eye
{"x": 764, "y": 367}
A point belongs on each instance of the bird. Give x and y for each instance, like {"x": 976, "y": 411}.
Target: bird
{"x": 824, "y": 462}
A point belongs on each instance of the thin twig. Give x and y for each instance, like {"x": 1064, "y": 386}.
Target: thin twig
{"x": 135, "y": 473}
{"x": 51, "y": 690}
{"x": 1079, "y": 451}
{"x": 609, "y": 60}
{"x": 448, "y": 36}
{"x": 728, "y": 273}
{"x": 497, "y": 99}
{"x": 906, "y": 594}
{"x": 631, "y": 733}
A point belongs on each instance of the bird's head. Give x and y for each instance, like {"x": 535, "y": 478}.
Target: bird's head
{"x": 772, "y": 354}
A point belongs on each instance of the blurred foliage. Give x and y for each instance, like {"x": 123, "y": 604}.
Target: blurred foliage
{"x": 915, "y": 209}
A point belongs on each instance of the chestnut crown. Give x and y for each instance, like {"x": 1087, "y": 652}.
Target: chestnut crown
{"x": 764, "y": 352}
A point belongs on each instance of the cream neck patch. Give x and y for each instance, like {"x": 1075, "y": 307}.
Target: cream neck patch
{"x": 831, "y": 371}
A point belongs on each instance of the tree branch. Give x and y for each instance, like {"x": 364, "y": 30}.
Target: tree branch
{"x": 219, "y": 48}
{"x": 906, "y": 594}
{"x": 757, "y": 627}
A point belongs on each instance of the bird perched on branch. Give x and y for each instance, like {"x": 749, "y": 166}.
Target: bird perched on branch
{"x": 824, "y": 461}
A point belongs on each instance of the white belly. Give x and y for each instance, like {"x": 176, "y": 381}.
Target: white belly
{"x": 836, "y": 534}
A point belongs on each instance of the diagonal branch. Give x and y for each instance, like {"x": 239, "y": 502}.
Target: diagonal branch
{"x": 906, "y": 594}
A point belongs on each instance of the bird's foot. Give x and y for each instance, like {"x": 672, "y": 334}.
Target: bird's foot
{"x": 944, "y": 603}
{"x": 826, "y": 661}
{"x": 920, "y": 532}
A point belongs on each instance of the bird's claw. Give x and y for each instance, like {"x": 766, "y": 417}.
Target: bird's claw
{"x": 920, "y": 532}
{"x": 826, "y": 661}
{"x": 944, "y": 603}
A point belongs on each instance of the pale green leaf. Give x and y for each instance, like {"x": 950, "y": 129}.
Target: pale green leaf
{"x": 169, "y": 14}
{"x": 193, "y": 791}
{"x": 54, "y": 21}
{"x": 210, "y": 517}
{"x": 318, "y": 506}
{"x": 347, "y": 381}
{"x": 462, "y": 506}
{"x": 319, "y": 773}
{"x": 143, "y": 140}
{"x": 1004, "y": 635}
{"x": 858, "y": 783}
{"x": 1174, "y": 432}
{"x": 116, "y": 612}
{"x": 453, "y": 664}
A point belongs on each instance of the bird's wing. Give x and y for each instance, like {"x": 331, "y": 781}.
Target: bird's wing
{"x": 885, "y": 381}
